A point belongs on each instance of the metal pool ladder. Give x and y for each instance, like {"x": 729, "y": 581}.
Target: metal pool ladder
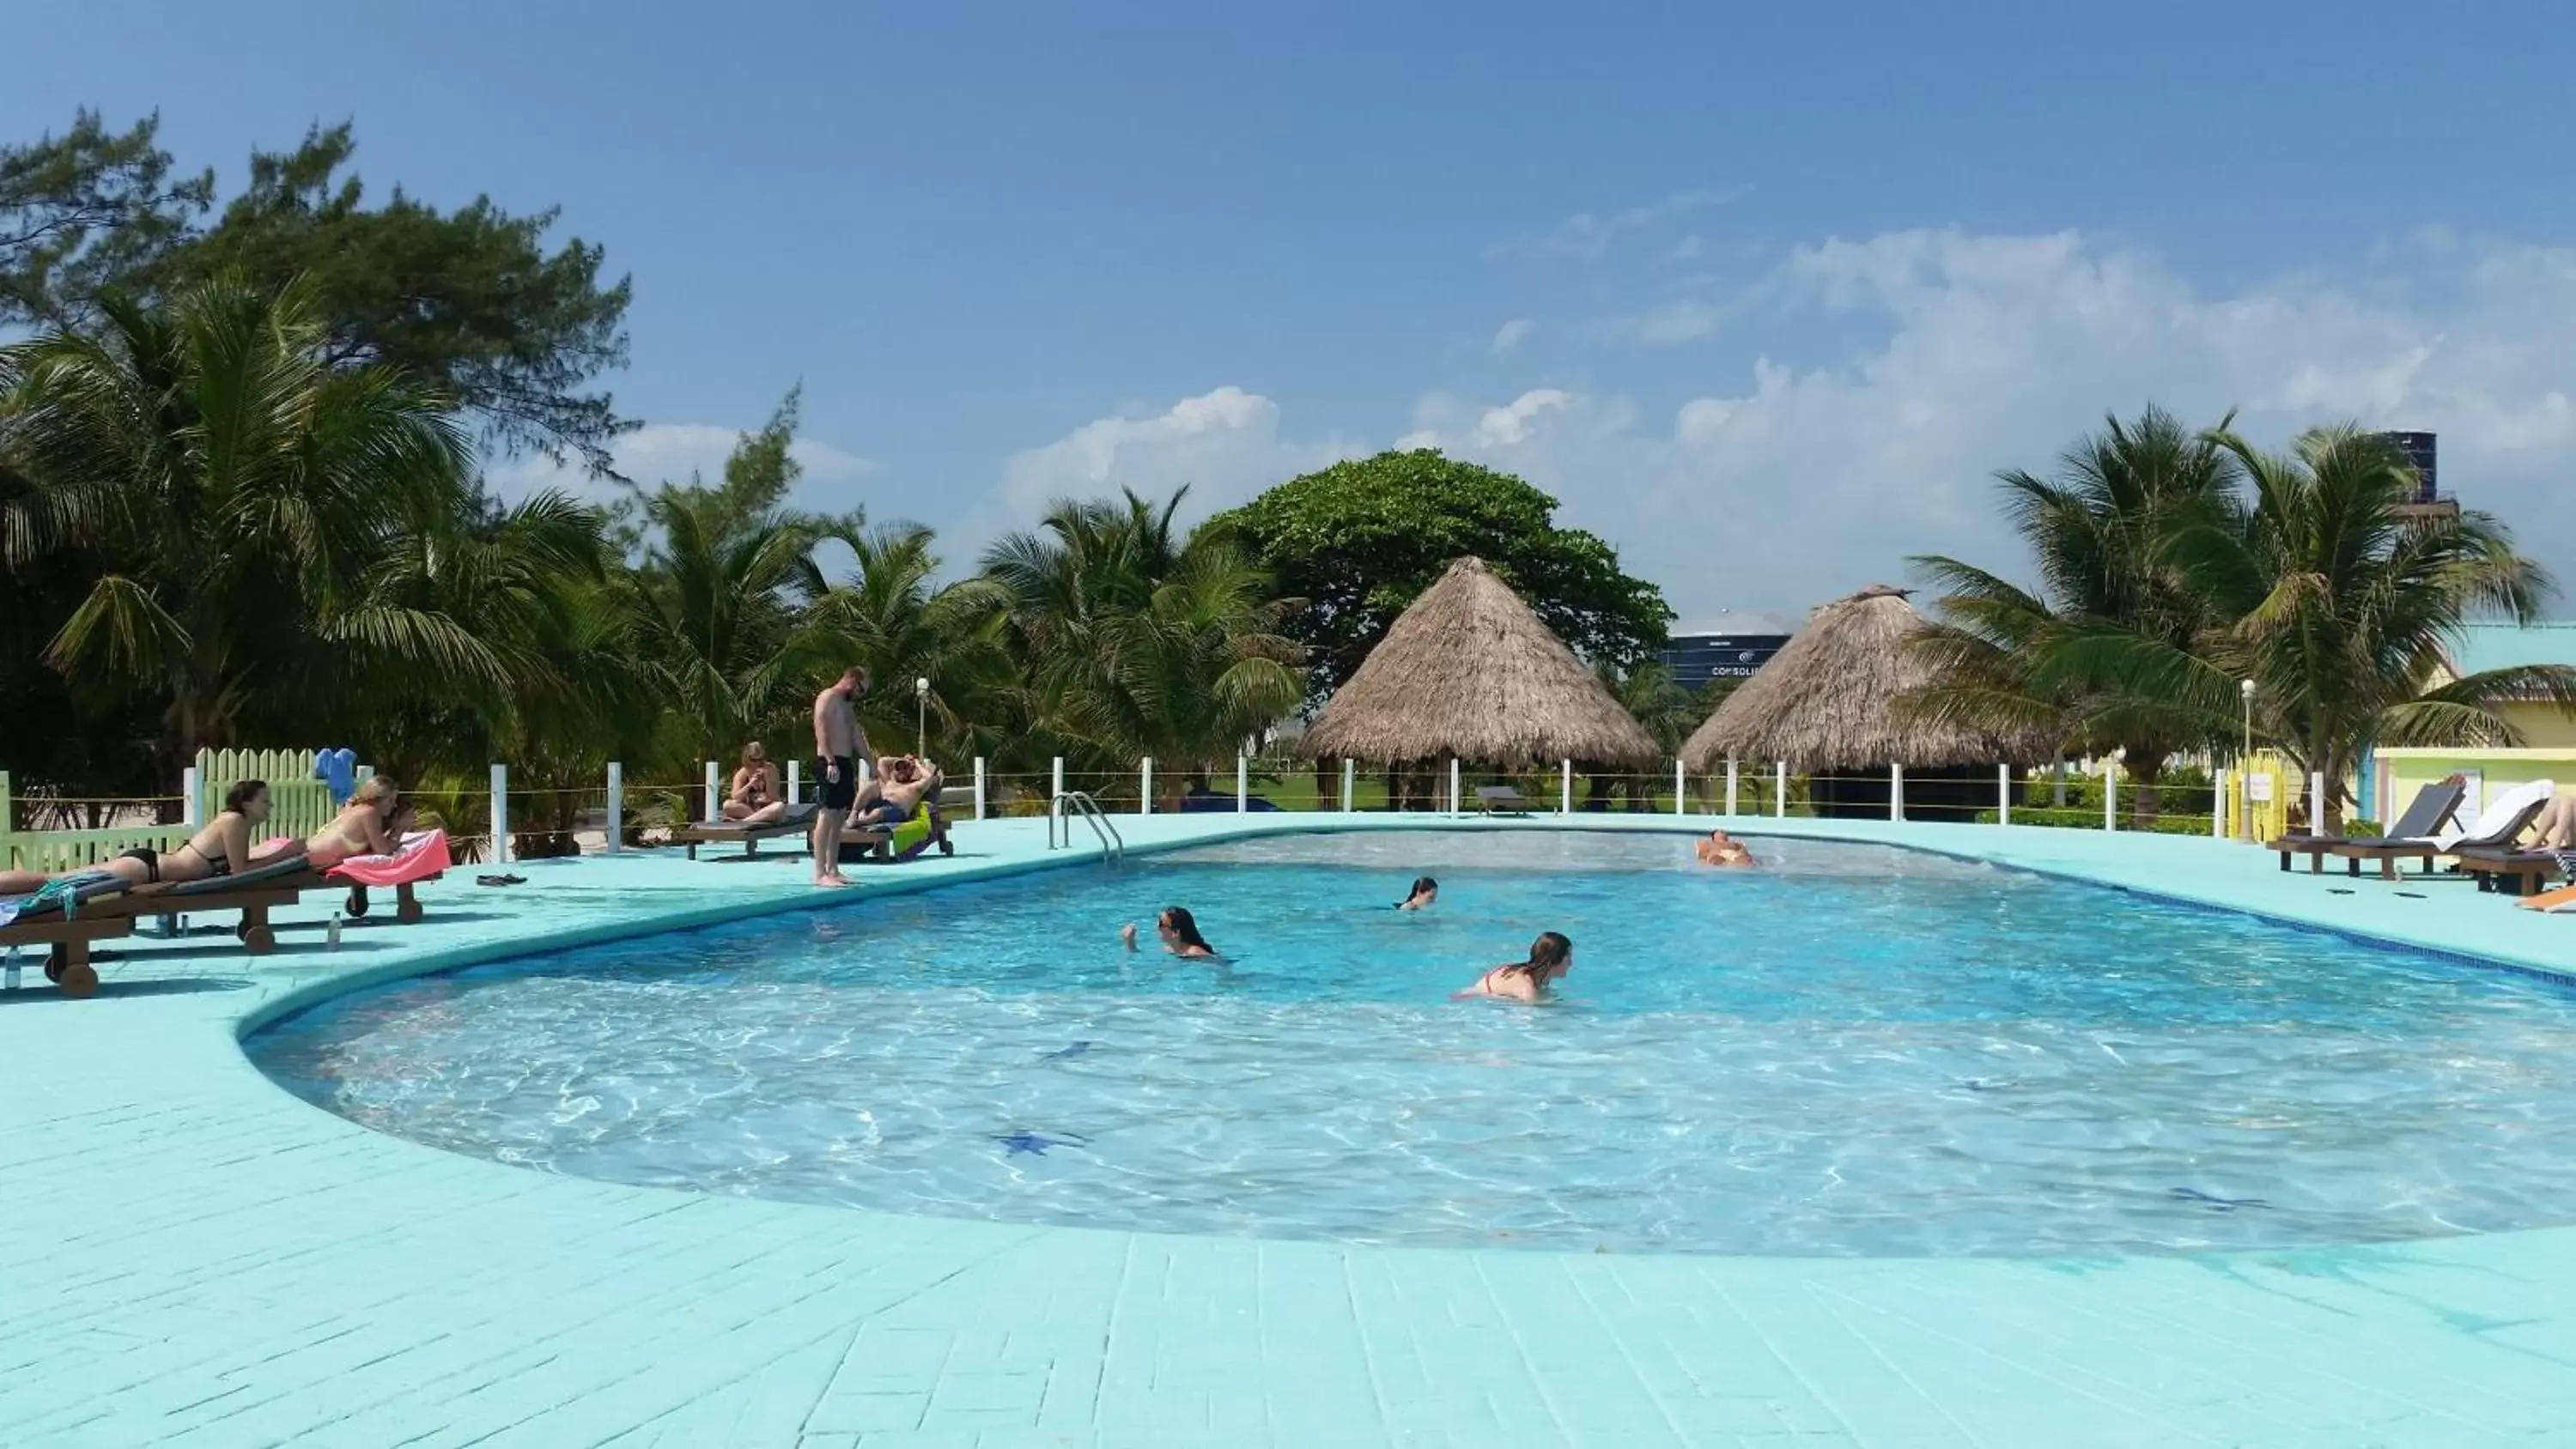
{"x": 1073, "y": 802}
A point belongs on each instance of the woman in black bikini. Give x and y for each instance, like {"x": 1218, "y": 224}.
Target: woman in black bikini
{"x": 221, "y": 848}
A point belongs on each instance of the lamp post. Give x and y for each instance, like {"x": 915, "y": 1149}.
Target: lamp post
{"x": 2245, "y": 691}
{"x": 921, "y": 718}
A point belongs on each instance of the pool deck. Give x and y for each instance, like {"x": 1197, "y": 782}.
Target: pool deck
{"x": 196, "y": 1258}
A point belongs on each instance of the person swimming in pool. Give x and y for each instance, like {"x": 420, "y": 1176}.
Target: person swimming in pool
{"x": 1425, "y": 892}
{"x": 1722, "y": 849}
{"x": 1550, "y": 957}
{"x": 1180, "y": 933}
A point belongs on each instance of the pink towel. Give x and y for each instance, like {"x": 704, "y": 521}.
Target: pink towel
{"x": 423, "y": 854}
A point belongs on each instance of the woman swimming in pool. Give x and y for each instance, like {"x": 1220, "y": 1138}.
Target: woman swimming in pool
{"x": 1550, "y": 957}
{"x": 1725, "y": 850}
{"x": 1425, "y": 892}
{"x": 1180, "y": 935}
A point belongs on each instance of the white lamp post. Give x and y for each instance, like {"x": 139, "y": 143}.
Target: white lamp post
{"x": 921, "y": 718}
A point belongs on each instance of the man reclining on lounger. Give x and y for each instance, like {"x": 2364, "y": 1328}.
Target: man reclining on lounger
{"x": 223, "y": 847}
{"x": 896, "y": 792}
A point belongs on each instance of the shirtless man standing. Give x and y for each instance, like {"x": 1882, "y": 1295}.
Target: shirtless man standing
{"x": 839, "y": 745}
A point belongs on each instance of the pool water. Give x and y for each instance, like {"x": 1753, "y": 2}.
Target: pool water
{"x": 1854, "y": 1050}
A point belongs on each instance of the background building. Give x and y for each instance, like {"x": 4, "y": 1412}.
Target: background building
{"x": 1729, "y": 645}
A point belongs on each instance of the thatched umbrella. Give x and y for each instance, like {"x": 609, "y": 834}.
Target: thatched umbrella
{"x": 1469, "y": 673}
{"x": 1827, "y": 703}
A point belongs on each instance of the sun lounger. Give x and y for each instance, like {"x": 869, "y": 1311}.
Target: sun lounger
{"x": 1500, "y": 800}
{"x": 280, "y": 881}
{"x": 59, "y": 919}
{"x": 927, "y": 828}
{"x": 2495, "y": 829}
{"x": 2431, "y": 809}
{"x": 423, "y": 857}
{"x": 798, "y": 821}
{"x": 2514, "y": 872}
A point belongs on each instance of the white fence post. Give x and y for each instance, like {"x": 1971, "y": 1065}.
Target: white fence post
{"x": 500, "y": 815}
{"x": 1780, "y": 790}
{"x": 617, "y": 805}
{"x": 1681, "y": 788}
{"x": 1145, "y": 786}
{"x": 795, "y": 782}
{"x": 1055, "y": 797}
{"x": 1350, "y": 773}
{"x": 2003, "y": 794}
{"x": 1453, "y": 786}
{"x": 2217, "y": 803}
{"x": 1730, "y": 785}
{"x": 1242, "y": 786}
{"x": 192, "y": 809}
{"x": 2110, "y": 794}
{"x": 1895, "y": 791}
{"x": 715, "y": 793}
{"x": 2316, "y": 802}
{"x": 979, "y": 787}
{"x": 1565, "y": 787}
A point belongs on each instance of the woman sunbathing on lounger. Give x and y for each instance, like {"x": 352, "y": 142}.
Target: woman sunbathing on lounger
{"x": 223, "y": 847}
{"x": 1550, "y": 957}
{"x": 753, "y": 796}
{"x": 360, "y": 827}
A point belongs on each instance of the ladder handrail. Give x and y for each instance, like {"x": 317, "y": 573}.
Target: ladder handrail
{"x": 1112, "y": 845}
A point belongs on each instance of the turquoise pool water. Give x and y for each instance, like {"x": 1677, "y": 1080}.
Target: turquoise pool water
{"x": 1856, "y": 1050}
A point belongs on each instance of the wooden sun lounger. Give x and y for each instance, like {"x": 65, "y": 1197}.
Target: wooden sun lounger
{"x": 876, "y": 842}
{"x": 798, "y": 821}
{"x": 2431, "y": 809}
{"x": 1501, "y": 800}
{"x": 2514, "y": 872}
{"x": 2389, "y": 852}
{"x": 254, "y": 893}
{"x": 407, "y": 909}
{"x": 67, "y": 940}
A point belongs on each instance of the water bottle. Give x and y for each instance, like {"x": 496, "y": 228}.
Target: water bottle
{"x": 334, "y": 938}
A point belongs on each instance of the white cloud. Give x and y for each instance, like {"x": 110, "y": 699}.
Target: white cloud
{"x": 1775, "y": 482}
{"x": 1224, "y": 444}
{"x": 1587, "y": 236}
{"x": 1805, "y": 482}
{"x": 670, "y": 452}
{"x": 1512, "y": 334}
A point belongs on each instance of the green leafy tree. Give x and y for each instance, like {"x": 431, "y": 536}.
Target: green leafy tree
{"x": 231, "y": 489}
{"x": 890, "y": 615}
{"x": 1359, "y": 541}
{"x": 2036, "y": 661}
{"x": 85, "y": 209}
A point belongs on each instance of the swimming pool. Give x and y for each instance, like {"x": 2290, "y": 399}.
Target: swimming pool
{"x": 1857, "y": 1050}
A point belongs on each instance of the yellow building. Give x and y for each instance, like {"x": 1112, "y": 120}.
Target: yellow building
{"x": 2547, "y": 747}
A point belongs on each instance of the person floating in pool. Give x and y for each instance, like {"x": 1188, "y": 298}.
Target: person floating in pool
{"x": 1180, "y": 935}
{"x": 1550, "y": 957}
{"x": 1425, "y": 891}
{"x": 1722, "y": 849}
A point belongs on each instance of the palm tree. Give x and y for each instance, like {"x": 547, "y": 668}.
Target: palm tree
{"x": 1137, "y": 641}
{"x": 2339, "y": 606}
{"x": 231, "y": 491}
{"x": 889, "y": 616}
{"x": 2041, "y": 661}
{"x": 724, "y": 604}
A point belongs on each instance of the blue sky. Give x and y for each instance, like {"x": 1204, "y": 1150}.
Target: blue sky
{"x": 1764, "y": 294}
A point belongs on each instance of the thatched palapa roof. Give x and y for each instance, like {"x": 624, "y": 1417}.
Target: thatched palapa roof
{"x": 1828, "y": 700}
{"x": 1469, "y": 673}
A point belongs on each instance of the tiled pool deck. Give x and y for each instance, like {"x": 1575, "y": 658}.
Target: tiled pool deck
{"x": 193, "y": 1257}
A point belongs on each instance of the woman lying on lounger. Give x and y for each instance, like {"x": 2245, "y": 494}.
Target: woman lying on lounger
{"x": 753, "y": 797}
{"x": 223, "y": 847}
{"x": 360, "y": 827}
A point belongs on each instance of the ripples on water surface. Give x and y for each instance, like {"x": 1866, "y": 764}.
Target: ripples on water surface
{"x": 1855, "y": 1051}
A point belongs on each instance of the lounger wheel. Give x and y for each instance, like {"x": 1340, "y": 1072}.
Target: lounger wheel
{"x": 79, "y": 979}
{"x": 946, "y": 846}
{"x": 356, "y": 905}
{"x": 258, "y": 940}
{"x": 54, "y": 959}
